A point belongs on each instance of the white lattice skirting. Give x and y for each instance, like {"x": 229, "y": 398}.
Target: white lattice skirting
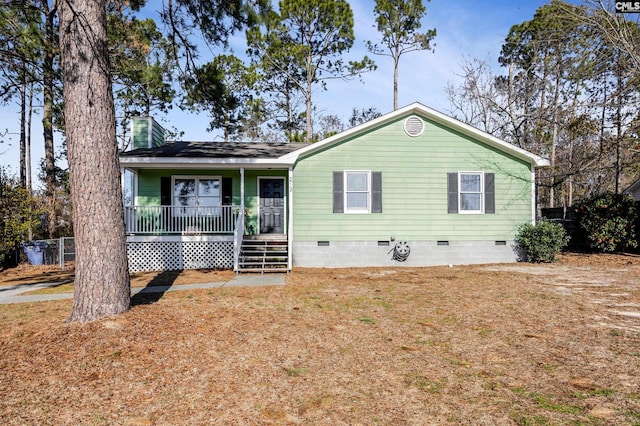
{"x": 178, "y": 255}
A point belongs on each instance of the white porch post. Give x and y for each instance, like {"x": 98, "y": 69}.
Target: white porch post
{"x": 242, "y": 197}
{"x": 122, "y": 183}
{"x": 239, "y": 231}
{"x": 290, "y": 226}
{"x": 125, "y": 212}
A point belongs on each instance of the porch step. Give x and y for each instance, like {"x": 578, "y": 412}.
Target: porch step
{"x": 264, "y": 253}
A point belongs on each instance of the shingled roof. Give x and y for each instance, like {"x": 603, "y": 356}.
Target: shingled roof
{"x": 215, "y": 150}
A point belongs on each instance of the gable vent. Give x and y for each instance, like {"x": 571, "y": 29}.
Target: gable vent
{"x": 413, "y": 126}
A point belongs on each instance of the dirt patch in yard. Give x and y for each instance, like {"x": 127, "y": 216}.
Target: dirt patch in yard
{"x": 611, "y": 281}
{"x": 489, "y": 344}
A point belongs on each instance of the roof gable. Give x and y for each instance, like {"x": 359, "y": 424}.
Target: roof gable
{"x": 429, "y": 114}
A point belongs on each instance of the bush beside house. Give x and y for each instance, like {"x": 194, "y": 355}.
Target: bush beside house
{"x": 541, "y": 242}
{"x": 607, "y": 222}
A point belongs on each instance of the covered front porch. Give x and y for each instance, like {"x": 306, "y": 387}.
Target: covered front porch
{"x": 191, "y": 204}
{"x": 202, "y": 218}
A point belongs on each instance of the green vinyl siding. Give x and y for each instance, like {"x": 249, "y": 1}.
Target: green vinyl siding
{"x": 414, "y": 188}
{"x": 157, "y": 135}
{"x": 140, "y": 132}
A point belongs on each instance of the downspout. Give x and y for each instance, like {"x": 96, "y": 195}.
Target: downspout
{"x": 290, "y": 224}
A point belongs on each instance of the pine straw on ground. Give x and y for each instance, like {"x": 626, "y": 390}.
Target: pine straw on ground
{"x": 493, "y": 344}
{"x": 32, "y": 275}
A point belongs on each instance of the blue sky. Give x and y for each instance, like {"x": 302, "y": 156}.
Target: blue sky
{"x": 466, "y": 28}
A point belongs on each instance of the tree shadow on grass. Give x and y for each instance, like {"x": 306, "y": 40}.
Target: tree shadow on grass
{"x": 155, "y": 289}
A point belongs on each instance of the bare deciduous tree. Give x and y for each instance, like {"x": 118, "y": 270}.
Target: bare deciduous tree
{"x": 620, "y": 29}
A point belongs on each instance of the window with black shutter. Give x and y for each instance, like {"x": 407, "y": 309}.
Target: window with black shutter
{"x": 357, "y": 191}
{"x": 471, "y": 192}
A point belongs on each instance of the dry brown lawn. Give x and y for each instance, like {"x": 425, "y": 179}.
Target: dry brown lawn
{"x": 480, "y": 345}
{"x": 32, "y": 275}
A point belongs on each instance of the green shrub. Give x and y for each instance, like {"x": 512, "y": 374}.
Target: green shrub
{"x": 541, "y": 242}
{"x": 607, "y": 222}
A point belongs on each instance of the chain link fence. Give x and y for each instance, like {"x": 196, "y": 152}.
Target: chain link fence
{"x": 59, "y": 252}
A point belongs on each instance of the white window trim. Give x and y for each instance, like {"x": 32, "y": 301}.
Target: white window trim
{"x": 346, "y": 192}
{"x": 196, "y": 178}
{"x": 482, "y": 195}
{"x": 134, "y": 187}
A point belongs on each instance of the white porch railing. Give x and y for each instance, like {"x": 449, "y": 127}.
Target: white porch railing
{"x": 186, "y": 220}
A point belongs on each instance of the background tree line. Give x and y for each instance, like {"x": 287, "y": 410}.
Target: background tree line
{"x": 568, "y": 90}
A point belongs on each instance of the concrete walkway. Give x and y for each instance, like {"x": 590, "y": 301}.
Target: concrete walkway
{"x": 13, "y": 294}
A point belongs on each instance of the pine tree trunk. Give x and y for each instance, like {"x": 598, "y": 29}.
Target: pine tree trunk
{"x": 396, "y": 62}
{"x": 619, "y": 103}
{"x": 311, "y": 73}
{"x": 28, "y": 155}
{"x": 23, "y": 124}
{"x": 102, "y": 280}
{"x": 28, "y": 143}
{"x": 47, "y": 121}
{"x": 308, "y": 106}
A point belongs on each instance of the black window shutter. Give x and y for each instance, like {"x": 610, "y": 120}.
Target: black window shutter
{"x": 338, "y": 192}
{"x": 376, "y": 192}
{"x": 165, "y": 191}
{"x": 227, "y": 191}
{"x": 489, "y": 193}
{"x": 452, "y": 191}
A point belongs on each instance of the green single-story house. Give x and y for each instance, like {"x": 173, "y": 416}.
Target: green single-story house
{"x": 414, "y": 187}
